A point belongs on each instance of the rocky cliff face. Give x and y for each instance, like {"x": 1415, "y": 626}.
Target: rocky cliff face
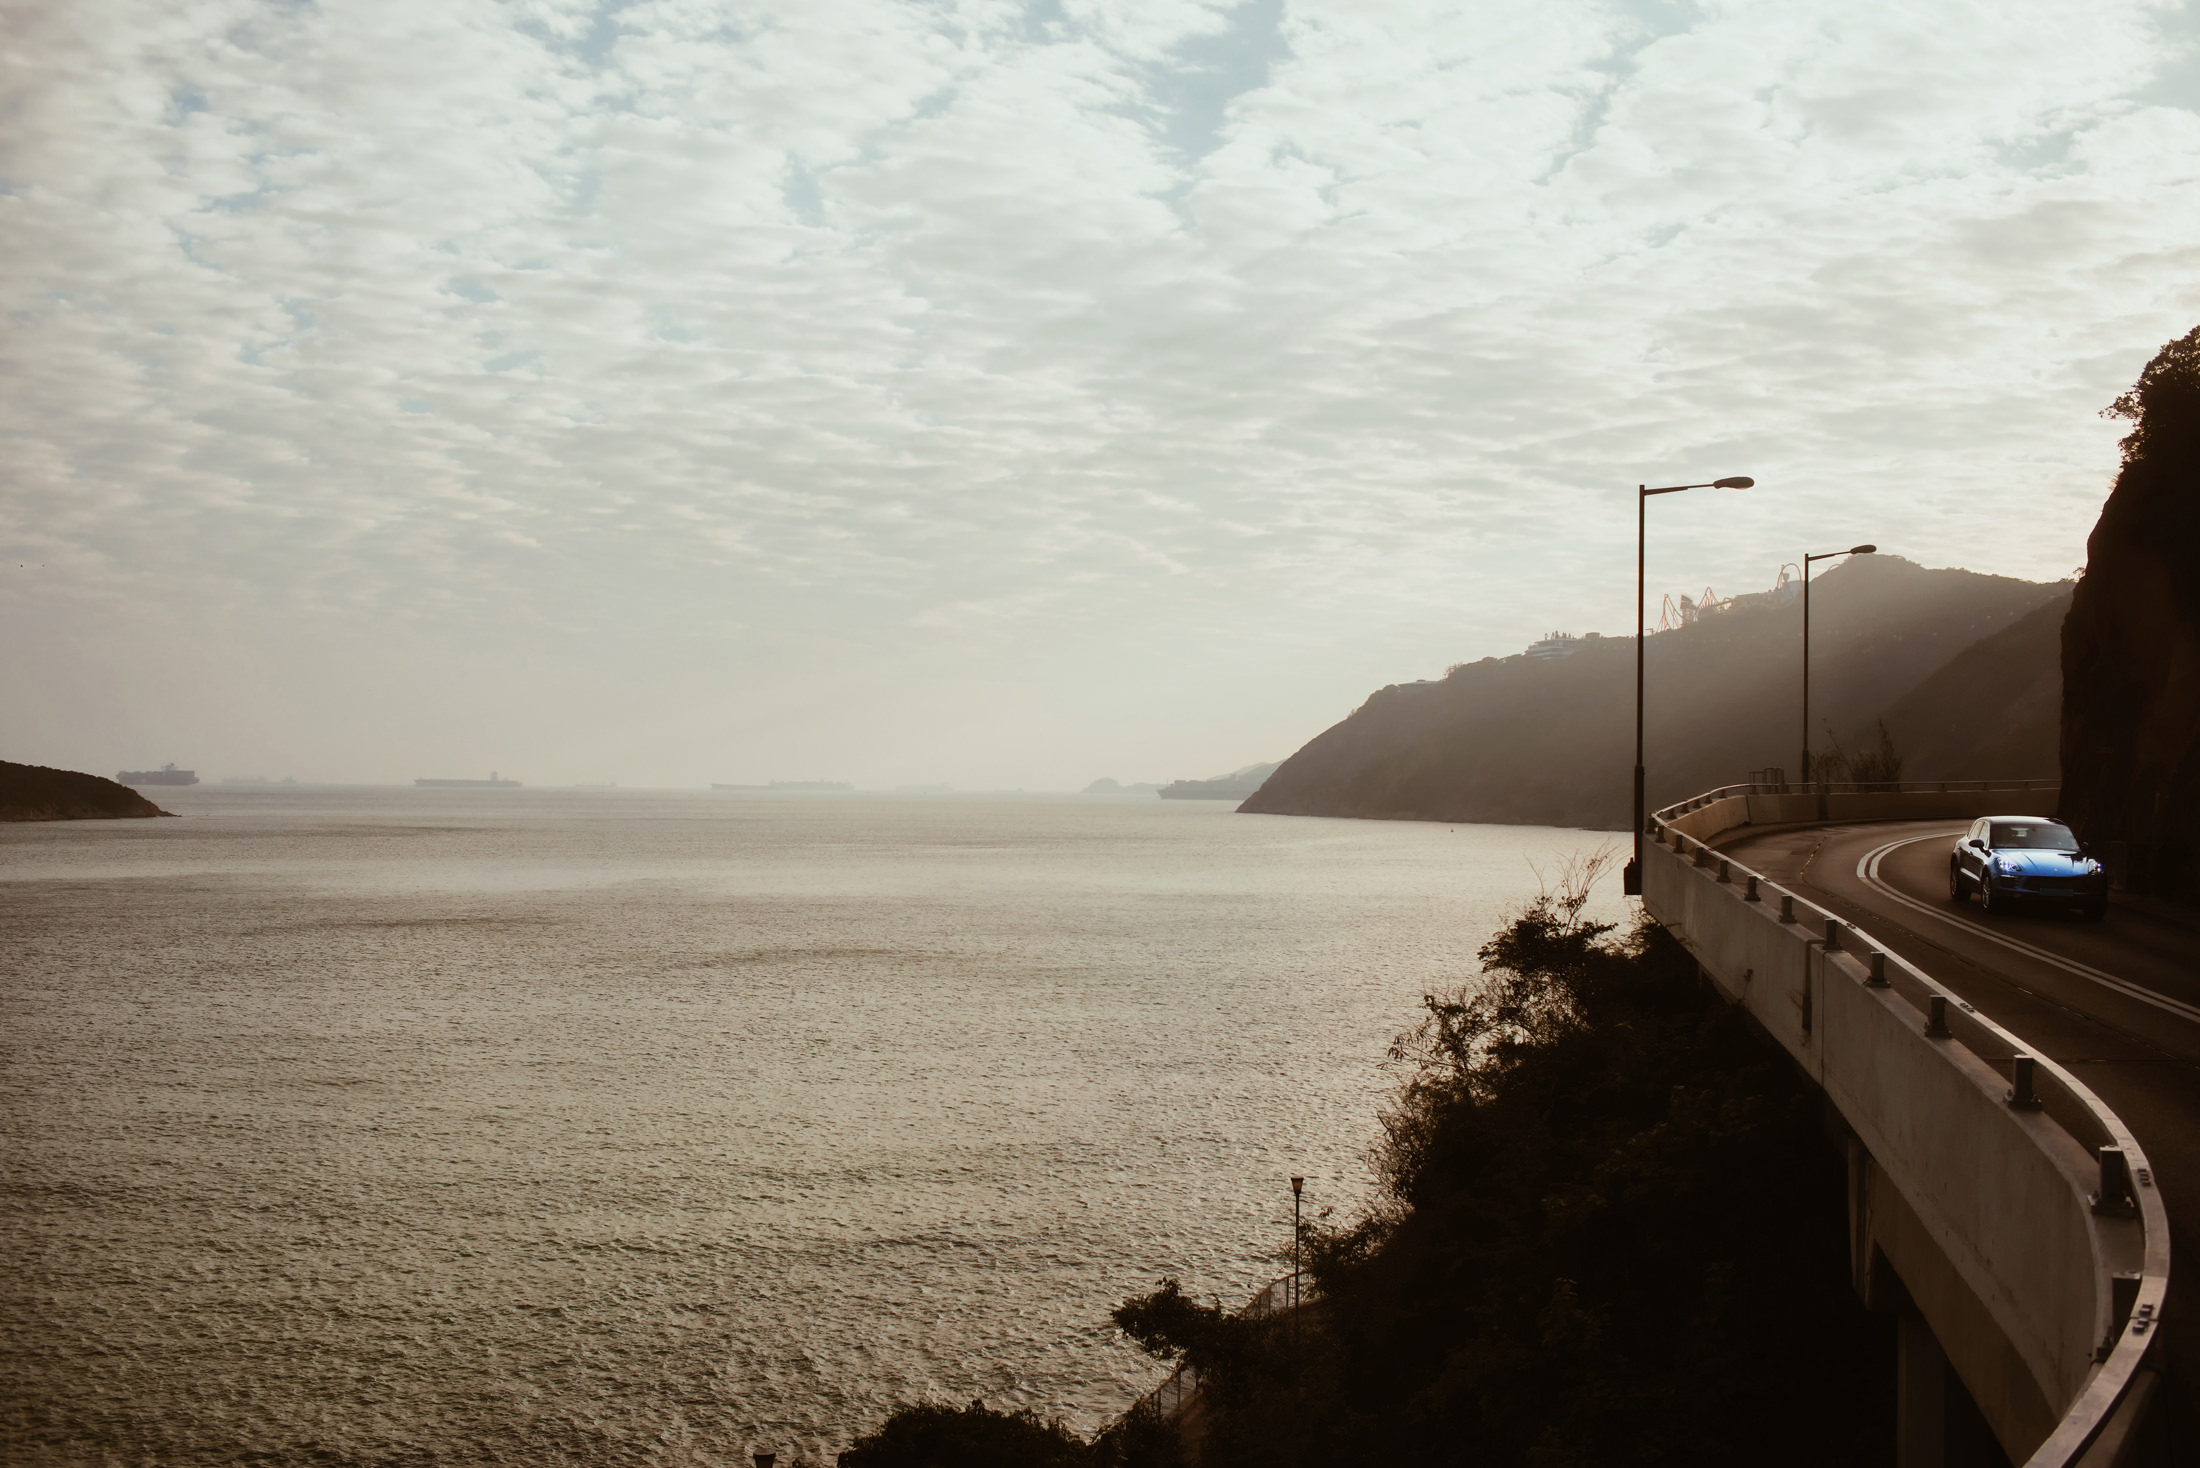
{"x": 2131, "y": 645}
{"x": 36, "y": 793}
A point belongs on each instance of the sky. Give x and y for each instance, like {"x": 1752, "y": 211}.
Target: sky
{"x": 1013, "y": 394}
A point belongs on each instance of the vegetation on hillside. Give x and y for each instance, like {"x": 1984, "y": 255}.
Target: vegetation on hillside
{"x": 1869, "y": 764}
{"x": 975, "y": 1436}
{"x": 1609, "y": 1230}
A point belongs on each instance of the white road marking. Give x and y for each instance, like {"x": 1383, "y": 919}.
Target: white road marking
{"x": 1867, "y": 871}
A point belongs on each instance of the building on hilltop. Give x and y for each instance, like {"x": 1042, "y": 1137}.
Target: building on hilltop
{"x": 1560, "y": 644}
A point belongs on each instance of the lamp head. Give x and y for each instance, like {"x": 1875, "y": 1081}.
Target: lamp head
{"x": 1296, "y": 1184}
{"x": 1739, "y": 481}
{"x": 1862, "y": 550}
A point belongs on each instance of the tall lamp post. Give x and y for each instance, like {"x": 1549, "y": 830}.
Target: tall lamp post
{"x": 1631, "y": 878}
{"x": 1854, "y": 550}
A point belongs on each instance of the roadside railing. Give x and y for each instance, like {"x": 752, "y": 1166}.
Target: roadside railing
{"x": 2037, "y": 1193}
{"x": 1858, "y": 787}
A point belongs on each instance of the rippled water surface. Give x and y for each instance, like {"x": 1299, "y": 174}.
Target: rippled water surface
{"x": 421, "y": 1127}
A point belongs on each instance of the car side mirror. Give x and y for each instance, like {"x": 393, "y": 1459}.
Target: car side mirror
{"x": 1978, "y": 843}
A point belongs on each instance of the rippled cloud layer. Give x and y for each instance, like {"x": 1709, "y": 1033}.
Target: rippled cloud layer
{"x": 1013, "y": 394}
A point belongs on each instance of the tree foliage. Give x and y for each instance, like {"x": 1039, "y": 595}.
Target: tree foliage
{"x": 1610, "y": 1231}
{"x": 2164, "y": 404}
{"x": 1866, "y": 766}
{"x": 928, "y": 1435}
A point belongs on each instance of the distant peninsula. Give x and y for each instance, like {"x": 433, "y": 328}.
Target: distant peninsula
{"x": 1236, "y": 785}
{"x": 36, "y": 793}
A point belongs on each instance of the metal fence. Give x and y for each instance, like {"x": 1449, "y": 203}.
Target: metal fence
{"x": 1182, "y": 1384}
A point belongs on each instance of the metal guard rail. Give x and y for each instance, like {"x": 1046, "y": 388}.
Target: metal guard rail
{"x": 2089, "y": 1412}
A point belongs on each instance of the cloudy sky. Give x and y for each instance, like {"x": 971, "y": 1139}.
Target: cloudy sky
{"x": 1012, "y": 393}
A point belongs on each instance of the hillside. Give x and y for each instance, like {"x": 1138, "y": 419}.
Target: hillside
{"x": 1551, "y": 742}
{"x": 36, "y": 793}
{"x": 1992, "y": 712}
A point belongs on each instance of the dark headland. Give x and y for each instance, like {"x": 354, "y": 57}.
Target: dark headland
{"x": 37, "y": 793}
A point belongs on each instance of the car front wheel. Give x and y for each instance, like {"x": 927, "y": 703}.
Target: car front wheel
{"x": 1989, "y": 898}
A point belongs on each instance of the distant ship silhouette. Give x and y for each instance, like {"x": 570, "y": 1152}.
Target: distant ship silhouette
{"x": 492, "y": 783}
{"x": 165, "y": 775}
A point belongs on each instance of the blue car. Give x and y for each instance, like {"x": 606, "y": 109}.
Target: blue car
{"x": 2011, "y": 859}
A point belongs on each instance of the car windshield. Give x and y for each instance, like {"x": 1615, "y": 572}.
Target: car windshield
{"x": 2032, "y": 836}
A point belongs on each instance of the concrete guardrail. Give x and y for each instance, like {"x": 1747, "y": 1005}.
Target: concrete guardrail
{"x": 2018, "y": 1212}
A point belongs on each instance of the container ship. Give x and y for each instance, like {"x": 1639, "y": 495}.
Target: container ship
{"x": 811, "y": 787}
{"x": 165, "y": 775}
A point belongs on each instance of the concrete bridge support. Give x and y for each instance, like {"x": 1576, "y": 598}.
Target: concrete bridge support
{"x": 1921, "y": 1395}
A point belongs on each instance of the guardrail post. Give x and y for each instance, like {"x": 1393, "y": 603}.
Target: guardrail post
{"x": 2021, "y": 1094}
{"x": 1877, "y": 978}
{"x": 2123, "y": 1293}
{"x": 2114, "y": 1198}
{"x": 1725, "y": 874}
{"x": 1936, "y": 1017}
{"x": 1750, "y": 893}
{"x": 1787, "y": 908}
{"x": 1833, "y": 935}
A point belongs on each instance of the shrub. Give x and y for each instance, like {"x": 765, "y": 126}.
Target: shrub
{"x": 1609, "y": 1231}
{"x": 976, "y": 1436}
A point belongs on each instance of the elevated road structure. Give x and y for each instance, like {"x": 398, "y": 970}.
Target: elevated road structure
{"x": 2006, "y": 1210}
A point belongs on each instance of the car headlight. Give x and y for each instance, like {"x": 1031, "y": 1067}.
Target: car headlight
{"x": 2005, "y": 866}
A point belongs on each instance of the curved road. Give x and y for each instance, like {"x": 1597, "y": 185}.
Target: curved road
{"x": 2117, "y": 1001}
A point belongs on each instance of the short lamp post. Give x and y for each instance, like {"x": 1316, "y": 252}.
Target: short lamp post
{"x": 1631, "y": 878}
{"x": 1854, "y": 550}
{"x": 1297, "y": 1184}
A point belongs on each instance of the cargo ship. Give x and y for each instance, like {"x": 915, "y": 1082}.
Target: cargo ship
{"x": 165, "y": 775}
{"x": 494, "y": 782}
{"x": 812, "y": 787}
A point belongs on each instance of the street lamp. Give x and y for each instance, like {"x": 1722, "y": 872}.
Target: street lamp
{"x": 1854, "y": 550}
{"x": 1631, "y": 879}
{"x": 1296, "y": 1184}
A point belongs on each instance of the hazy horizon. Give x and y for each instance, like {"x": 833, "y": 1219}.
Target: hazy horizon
{"x": 1013, "y": 395}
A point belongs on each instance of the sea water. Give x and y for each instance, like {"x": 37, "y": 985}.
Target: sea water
{"x": 394, "y": 1126}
